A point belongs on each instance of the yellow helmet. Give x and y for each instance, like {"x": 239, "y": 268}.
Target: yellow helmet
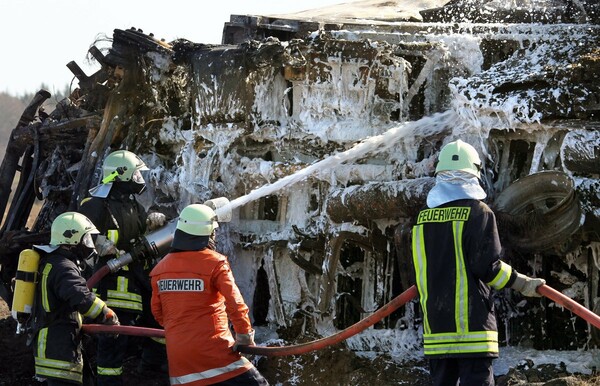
{"x": 459, "y": 155}
{"x": 121, "y": 165}
{"x": 70, "y": 228}
{"x": 197, "y": 220}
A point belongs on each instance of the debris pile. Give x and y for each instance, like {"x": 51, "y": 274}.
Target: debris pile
{"x": 324, "y": 134}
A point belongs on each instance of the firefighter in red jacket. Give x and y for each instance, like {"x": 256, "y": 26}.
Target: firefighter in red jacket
{"x": 456, "y": 253}
{"x": 63, "y": 299}
{"x": 194, "y": 296}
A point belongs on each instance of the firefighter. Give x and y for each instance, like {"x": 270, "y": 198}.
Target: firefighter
{"x": 62, "y": 299}
{"x": 194, "y": 296}
{"x": 122, "y": 221}
{"x": 457, "y": 259}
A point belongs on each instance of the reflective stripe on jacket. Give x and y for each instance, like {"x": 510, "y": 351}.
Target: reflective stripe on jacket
{"x": 456, "y": 255}
{"x": 194, "y": 296}
{"x": 123, "y": 296}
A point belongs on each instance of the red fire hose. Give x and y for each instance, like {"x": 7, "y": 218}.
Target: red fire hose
{"x": 370, "y": 320}
{"x": 570, "y": 305}
{"x": 99, "y": 274}
{"x": 303, "y": 348}
{"x": 124, "y": 330}
{"x": 384, "y": 311}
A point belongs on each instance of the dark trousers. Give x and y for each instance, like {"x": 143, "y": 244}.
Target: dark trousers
{"x": 109, "y": 359}
{"x": 250, "y": 378}
{"x": 469, "y": 371}
{"x": 112, "y": 351}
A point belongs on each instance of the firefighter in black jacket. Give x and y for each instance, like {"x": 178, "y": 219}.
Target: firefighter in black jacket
{"x": 456, "y": 254}
{"x": 62, "y": 299}
{"x": 121, "y": 220}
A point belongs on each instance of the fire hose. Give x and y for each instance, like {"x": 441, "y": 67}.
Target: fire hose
{"x": 319, "y": 344}
{"x": 97, "y": 276}
{"x": 303, "y": 348}
{"x": 570, "y": 305}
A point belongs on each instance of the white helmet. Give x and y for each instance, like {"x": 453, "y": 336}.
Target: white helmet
{"x": 197, "y": 220}
{"x": 195, "y": 225}
{"x": 121, "y": 165}
{"x": 459, "y": 155}
{"x": 70, "y": 228}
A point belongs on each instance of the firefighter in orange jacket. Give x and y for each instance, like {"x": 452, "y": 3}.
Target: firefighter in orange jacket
{"x": 194, "y": 296}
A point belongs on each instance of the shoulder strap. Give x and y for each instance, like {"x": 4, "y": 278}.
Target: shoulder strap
{"x": 110, "y": 212}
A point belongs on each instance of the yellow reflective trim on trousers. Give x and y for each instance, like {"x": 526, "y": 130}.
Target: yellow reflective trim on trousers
{"x": 461, "y": 294}
{"x": 45, "y": 273}
{"x": 95, "y": 309}
{"x": 183, "y": 379}
{"x": 420, "y": 263}
{"x": 109, "y": 371}
{"x": 158, "y": 340}
{"x": 502, "y": 277}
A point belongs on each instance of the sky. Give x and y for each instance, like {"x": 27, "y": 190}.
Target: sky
{"x": 41, "y": 36}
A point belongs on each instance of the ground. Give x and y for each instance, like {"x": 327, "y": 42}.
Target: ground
{"x": 334, "y": 366}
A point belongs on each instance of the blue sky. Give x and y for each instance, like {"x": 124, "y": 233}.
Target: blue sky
{"x": 41, "y": 36}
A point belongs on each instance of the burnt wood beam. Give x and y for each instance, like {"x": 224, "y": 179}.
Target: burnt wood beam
{"x": 59, "y": 133}
{"x": 88, "y": 164}
{"x": 394, "y": 199}
{"x": 15, "y": 148}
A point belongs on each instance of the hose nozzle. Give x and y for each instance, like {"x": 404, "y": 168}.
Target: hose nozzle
{"x": 115, "y": 264}
{"x": 221, "y": 207}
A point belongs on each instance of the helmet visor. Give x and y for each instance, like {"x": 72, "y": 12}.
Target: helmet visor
{"x": 87, "y": 241}
{"x": 137, "y": 177}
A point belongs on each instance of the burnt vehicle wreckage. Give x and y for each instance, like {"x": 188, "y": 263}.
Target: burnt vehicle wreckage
{"x": 348, "y": 114}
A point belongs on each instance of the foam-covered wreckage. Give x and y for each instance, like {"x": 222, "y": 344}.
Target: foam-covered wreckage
{"x": 328, "y": 129}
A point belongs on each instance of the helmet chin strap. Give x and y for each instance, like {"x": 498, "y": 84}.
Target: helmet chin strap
{"x": 129, "y": 187}
{"x": 212, "y": 242}
{"x": 139, "y": 188}
{"x": 84, "y": 252}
